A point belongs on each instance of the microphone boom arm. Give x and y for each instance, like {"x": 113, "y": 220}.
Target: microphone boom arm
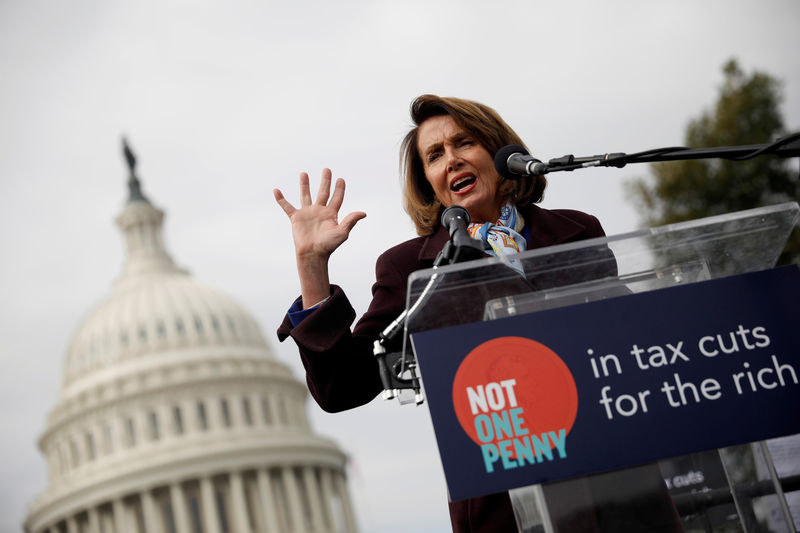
{"x": 788, "y": 146}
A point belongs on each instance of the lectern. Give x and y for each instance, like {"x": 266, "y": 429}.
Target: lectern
{"x": 610, "y": 382}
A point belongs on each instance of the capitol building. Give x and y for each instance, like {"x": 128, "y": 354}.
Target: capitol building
{"x": 174, "y": 416}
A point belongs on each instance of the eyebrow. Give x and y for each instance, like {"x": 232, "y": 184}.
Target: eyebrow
{"x": 432, "y": 148}
{"x": 458, "y": 136}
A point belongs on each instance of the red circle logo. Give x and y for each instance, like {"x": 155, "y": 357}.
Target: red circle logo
{"x": 513, "y": 382}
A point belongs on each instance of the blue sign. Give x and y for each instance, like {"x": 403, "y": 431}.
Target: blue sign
{"x": 614, "y": 383}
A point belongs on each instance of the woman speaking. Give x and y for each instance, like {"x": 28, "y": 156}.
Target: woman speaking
{"x": 447, "y": 159}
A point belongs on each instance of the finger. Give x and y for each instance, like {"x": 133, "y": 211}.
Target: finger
{"x": 338, "y": 194}
{"x": 324, "y": 191}
{"x": 283, "y": 202}
{"x": 305, "y": 192}
{"x": 350, "y": 220}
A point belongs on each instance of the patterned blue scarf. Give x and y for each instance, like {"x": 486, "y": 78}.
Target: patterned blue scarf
{"x": 504, "y": 237}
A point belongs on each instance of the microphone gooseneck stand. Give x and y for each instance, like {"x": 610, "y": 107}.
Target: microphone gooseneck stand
{"x": 788, "y": 146}
{"x": 398, "y": 371}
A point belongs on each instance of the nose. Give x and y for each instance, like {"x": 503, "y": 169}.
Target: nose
{"x": 453, "y": 159}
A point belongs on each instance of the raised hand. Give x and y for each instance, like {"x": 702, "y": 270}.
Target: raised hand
{"x": 317, "y": 232}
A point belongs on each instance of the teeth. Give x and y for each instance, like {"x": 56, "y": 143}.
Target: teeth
{"x": 461, "y": 183}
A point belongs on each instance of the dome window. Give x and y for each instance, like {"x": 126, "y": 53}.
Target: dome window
{"x": 142, "y": 334}
{"x": 161, "y": 330}
{"x": 202, "y": 420}
{"x": 215, "y": 325}
{"x": 246, "y": 411}
{"x": 131, "y": 427}
{"x": 91, "y": 452}
{"x": 225, "y": 411}
{"x": 123, "y": 339}
{"x": 180, "y": 327}
{"x": 198, "y": 325}
{"x": 154, "y": 433}
{"x": 177, "y": 419}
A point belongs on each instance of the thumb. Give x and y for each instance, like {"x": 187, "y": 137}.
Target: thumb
{"x": 350, "y": 220}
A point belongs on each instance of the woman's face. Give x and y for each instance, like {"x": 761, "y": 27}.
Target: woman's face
{"x": 460, "y": 170}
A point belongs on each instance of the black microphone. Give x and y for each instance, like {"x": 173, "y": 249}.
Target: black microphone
{"x": 455, "y": 218}
{"x": 461, "y": 246}
{"x": 514, "y": 162}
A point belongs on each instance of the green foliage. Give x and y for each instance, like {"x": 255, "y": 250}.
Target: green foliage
{"x": 746, "y": 112}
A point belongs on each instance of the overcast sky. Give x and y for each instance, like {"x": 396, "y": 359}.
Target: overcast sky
{"x": 223, "y": 101}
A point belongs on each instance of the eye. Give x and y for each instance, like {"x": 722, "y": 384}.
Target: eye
{"x": 466, "y": 141}
{"x": 433, "y": 156}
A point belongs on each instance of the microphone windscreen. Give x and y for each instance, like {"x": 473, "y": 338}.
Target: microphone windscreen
{"x": 501, "y": 160}
{"x": 451, "y": 214}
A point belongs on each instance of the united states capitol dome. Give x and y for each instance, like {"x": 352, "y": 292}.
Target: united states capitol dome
{"x": 156, "y": 313}
{"x": 175, "y": 417}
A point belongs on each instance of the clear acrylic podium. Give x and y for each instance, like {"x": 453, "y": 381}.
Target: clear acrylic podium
{"x": 739, "y": 488}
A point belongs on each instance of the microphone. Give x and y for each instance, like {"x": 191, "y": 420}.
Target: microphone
{"x": 455, "y": 218}
{"x": 461, "y": 246}
{"x": 514, "y": 162}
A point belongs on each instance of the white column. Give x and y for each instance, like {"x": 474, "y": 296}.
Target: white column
{"x": 287, "y": 401}
{"x": 210, "y": 519}
{"x": 142, "y": 417}
{"x": 256, "y": 410}
{"x": 61, "y": 468}
{"x": 235, "y": 409}
{"x": 302, "y": 416}
{"x": 341, "y": 489}
{"x": 312, "y": 487}
{"x": 269, "y": 511}
{"x": 166, "y": 424}
{"x": 272, "y": 415}
{"x": 106, "y": 521}
{"x": 179, "y": 512}
{"x": 189, "y": 413}
{"x": 326, "y": 484}
{"x": 120, "y": 522}
{"x": 293, "y": 495}
{"x": 79, "y": 438}
{"x": 74, "y": 452}
{"x": 282, "y": 410}
{"x": 94, "y": 520}
{"x": 152, "y": 523}
{"x": 239, "y": 506}
{"x": 119, "y": 440}
{"x": 52, "y": 464}
{"x": 72, "y": 524}
{"x": 214, "y": 413}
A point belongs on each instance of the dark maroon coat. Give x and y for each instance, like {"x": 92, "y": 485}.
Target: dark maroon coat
{"x": 341, "y": 371}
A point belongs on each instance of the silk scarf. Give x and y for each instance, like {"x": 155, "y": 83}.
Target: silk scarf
{"x": 503, "y": 237}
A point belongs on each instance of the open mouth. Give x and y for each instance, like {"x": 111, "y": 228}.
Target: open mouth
{"x": 462, "y": 183}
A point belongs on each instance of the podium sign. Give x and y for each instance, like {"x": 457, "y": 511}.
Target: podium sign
{"x": 615, "y": 382}
{"x": 588, "y": 356}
